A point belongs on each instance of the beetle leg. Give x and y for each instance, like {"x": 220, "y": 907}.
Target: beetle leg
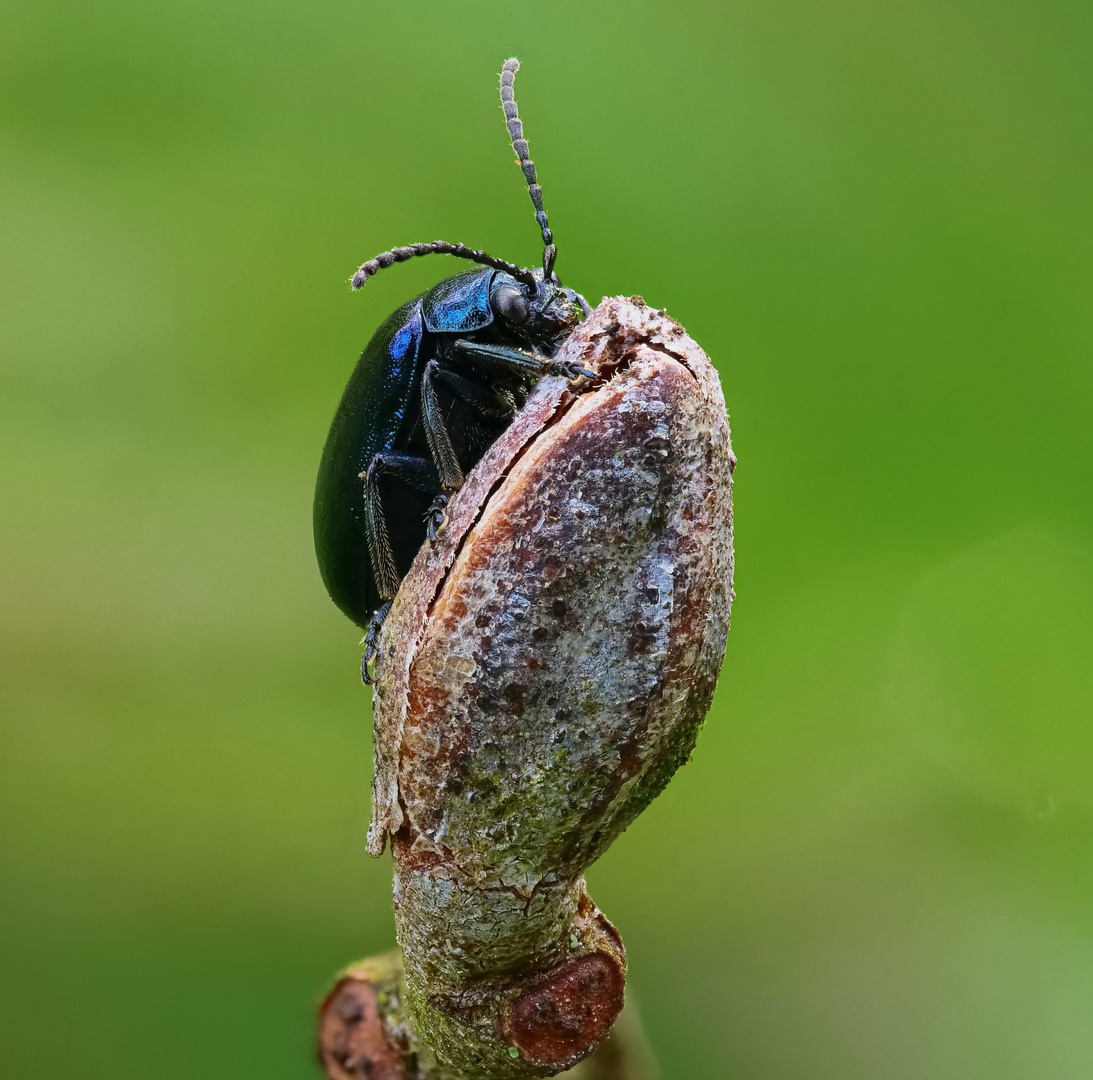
{"x": 419, "y": 473}
{"x": 436, "y": 431}
{"x": 500, "y": 357}
{"x": 507, "y": 359}
{"x": 369, "y": 643}
{"x": 486, "y": 401}
{"x": 436, "y": 519}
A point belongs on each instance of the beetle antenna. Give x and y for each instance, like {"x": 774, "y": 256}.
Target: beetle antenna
{"x": 520, "y": 145}
{"x": 438, "y": 247}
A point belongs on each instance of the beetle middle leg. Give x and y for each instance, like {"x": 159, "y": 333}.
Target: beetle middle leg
{"x": 487, "y": 402}
{"x": 436, "y": 431}
{"x": 484, "y": 402}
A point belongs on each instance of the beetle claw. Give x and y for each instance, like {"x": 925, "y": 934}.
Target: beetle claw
{"x": 569, "y": 370}
{"x": 371, "y": 643}
{"x": 436, "y": 520}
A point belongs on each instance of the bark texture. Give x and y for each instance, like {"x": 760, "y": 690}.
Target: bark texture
{"x": 544, "y": 671}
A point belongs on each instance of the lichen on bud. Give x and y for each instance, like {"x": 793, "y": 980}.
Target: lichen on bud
{"x": 543, "y": 672}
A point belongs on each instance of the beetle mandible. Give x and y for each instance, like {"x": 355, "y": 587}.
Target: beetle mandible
{"x": 438, "y": 382}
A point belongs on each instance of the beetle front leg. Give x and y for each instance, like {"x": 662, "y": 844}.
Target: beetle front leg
{"x": 503, "y": 358}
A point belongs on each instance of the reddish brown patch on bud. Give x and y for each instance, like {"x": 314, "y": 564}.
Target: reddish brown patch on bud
{"x": 352, "y": 1043}
{"x": 559, "y": 1019}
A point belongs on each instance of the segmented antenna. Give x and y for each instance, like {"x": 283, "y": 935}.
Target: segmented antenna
{"x": 520, "y": 145}
{"x": 439, "y": 247}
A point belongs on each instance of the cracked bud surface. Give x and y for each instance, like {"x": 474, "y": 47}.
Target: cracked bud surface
{"x": 544, "y": 671}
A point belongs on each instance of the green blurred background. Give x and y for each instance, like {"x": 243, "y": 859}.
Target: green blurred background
{"x": 876, "y": 217}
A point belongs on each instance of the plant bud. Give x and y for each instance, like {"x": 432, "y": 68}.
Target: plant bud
{"x": 543, "y": 672}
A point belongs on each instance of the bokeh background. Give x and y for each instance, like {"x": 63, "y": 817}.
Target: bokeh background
{"x": 876, "y": 217}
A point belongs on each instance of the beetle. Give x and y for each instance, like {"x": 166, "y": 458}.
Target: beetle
{"x": 439, "y": 380}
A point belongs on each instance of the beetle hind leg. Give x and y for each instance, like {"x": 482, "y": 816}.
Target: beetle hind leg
{"x": 416, "y": 472}
{"x": 370, "y": 642}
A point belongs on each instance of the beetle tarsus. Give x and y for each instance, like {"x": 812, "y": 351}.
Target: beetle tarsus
{"x": 436, "y": 520}
{"x": 569, "y": 370}
{"x": 370, "y": 643}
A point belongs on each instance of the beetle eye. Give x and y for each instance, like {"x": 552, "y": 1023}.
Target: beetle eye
{"x": 511, "y": 305}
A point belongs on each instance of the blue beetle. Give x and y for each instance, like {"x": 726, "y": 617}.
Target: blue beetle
{"x": 438, "y": 382}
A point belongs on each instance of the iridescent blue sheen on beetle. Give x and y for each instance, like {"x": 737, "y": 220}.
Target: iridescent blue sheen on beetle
{"x": 460, "y": 304}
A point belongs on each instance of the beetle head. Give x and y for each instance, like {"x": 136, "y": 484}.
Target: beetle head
{"x": 541, "y": 311}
